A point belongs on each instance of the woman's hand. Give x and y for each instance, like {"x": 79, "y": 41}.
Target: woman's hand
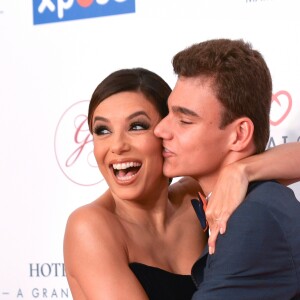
{"x": 228, "y": 193}
{"x": 280, "y": 163}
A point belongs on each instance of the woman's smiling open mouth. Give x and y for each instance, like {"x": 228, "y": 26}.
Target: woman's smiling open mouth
{"x": 126, "y": 170}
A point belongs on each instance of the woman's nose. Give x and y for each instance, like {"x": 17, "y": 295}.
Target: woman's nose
{"x": 120, "y": 144}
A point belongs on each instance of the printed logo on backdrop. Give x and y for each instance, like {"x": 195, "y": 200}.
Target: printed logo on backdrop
{"x": 50, "y": 11}
{"x": 41, "y": 289}
{"x": 74, "y": 148}
{"x": 280, "y": 109}
{"x": 255, "y": 1}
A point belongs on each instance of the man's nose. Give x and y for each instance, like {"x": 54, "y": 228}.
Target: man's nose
{"x": 161, "y": 129}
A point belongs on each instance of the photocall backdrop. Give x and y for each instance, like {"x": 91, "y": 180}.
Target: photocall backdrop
{"x": 53, "y": 53}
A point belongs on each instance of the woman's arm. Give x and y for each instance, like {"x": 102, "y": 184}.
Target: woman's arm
{"x": 281, "y": 163}
{"x": 95, "y": 257}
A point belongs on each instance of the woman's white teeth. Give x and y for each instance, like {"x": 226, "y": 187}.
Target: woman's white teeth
{"x": 123, "y": 166}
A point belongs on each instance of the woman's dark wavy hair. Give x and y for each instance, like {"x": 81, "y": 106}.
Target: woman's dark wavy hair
{"x": 151, "y": 85}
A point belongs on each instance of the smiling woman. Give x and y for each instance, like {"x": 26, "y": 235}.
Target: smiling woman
{"x": 130, "y": 242}
{"x": 125, "y": 147}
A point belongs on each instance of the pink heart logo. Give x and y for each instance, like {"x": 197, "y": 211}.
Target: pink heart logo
{"x": 285, "y": 99}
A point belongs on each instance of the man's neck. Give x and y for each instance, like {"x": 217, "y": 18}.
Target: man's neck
{"x": 208, "y": 181}
{"x": 207, "y": 186}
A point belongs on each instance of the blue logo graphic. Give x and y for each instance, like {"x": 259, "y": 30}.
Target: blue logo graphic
{"x": 49, "y": 11}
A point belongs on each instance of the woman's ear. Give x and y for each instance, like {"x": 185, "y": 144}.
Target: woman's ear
{"x": 243, "y": 132}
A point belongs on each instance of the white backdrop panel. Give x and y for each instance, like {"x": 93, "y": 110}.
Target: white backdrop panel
{"x": 49, "y": 71}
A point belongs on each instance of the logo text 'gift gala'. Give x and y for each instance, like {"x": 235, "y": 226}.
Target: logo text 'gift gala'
{"x": 49, "y": 11}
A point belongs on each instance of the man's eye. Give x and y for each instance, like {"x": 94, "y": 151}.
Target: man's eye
{"x": 101, "y": 130}
{"x": 139, "y": 126}
{"x": 185, "y": 122}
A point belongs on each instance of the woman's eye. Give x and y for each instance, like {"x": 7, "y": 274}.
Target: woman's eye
{"x": 139, "y": 126}
{"x": 101, "y": 130}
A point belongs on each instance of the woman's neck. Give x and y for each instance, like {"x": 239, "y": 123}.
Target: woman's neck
{"x": 152, "y": 211}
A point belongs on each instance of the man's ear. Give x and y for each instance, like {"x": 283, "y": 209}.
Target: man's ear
{"x": 243, "y": 134}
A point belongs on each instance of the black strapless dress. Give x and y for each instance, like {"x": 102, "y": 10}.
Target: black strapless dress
{"x": 163, "y": 285}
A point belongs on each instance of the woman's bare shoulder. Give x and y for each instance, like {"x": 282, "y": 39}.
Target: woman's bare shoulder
{"x": 95, "y": 224}
{"x": 95, "y": 252}
{"x": 97, "y": 215}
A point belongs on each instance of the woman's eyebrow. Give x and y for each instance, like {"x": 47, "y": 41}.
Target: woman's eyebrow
{"x": 98, "y": 118}
{"x": 133, "y": 115}
{"x": 138, "y": 113}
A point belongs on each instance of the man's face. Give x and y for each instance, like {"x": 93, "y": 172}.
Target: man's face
{"x": 194, "y": 145}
